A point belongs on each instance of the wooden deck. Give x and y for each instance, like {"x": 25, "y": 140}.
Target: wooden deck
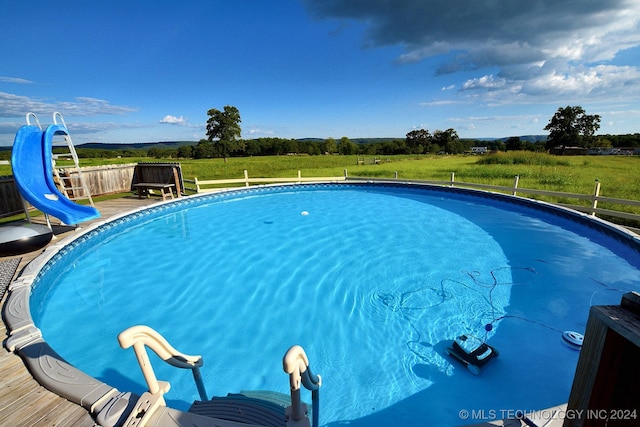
{"x": 24, "y": 402}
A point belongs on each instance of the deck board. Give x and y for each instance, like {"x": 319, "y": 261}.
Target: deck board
{"x": 24, "y": 402}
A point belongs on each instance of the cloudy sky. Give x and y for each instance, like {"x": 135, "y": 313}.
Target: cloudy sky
{"x": 139, "y": 71}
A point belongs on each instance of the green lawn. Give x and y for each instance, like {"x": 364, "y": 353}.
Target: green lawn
{"x": 618, "y": 175}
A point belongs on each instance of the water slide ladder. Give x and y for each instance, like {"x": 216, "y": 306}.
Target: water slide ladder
{"x": 69, "y": 180}
{"x": 256, "y": 408}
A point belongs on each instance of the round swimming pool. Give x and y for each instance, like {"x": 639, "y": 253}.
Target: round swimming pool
{"x": 374, "y": 281}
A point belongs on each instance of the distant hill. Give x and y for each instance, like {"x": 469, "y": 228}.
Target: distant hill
{"x": 176, "y": 144}
{"x": 135, "y": 146}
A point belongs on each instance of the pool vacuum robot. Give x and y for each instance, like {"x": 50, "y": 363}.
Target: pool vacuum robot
{"x": 472, "y": 352}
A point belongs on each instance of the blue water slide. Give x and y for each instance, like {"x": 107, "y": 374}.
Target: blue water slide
{"x": 33, "y": 173}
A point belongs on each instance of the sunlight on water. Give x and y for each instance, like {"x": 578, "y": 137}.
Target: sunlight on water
{"x": 373, "y": 284}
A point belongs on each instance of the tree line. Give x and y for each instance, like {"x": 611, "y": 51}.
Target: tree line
{"x": 570, "y": 126}
{"x": 223, "y": 140}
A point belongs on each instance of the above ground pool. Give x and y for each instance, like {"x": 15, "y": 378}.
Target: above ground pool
{"x": 373, "y": 281}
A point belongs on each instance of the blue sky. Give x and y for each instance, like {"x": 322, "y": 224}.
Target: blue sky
{"x": 140, "y": 71}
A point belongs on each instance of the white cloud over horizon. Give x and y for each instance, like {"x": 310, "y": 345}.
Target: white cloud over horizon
{"x": 12, "y": 106}
{"x": 539, "y": 47}
{"x": 173, "y": 120}
{"x": 15, "y": 80}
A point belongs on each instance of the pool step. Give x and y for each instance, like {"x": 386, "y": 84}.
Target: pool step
{"x": 264, "y": 408}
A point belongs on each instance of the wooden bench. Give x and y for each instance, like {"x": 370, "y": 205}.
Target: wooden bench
{"x": 144, "y": 187}
{"x": 162, "y": 177}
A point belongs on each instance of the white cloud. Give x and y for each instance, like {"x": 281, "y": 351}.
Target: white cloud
{"x": 441, "y": 102}
{"x": 15, "y": 80}
{"x": 12, "y": 105}
{"x": 540, "y": 48}
{"x": 494, "y": 118}
{"x": 494, "y": 33}
{"x": 258, "y": 131}
{"x": 173, "y": 120}
{"x": 484, "y": 82}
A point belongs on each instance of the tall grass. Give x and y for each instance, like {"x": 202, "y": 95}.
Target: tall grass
{"x": 618, "y": 175}
{"x": 522, "y": 158}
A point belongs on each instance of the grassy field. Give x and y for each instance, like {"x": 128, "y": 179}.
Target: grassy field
{"x": 618, "y": 175}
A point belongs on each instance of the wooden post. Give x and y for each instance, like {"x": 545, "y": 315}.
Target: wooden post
{"x": 596, "y": 193}
{"x": 345, "y": 173}
{"x": 299, "y": 176}
{"x": 607, "y": 379}
{"x": 515, "y": 184}
{"x": 395, "y": 175}
{"x": 176, "y": 179}
{"x": 453, "y": 178}
{"x": 246, "y": 178}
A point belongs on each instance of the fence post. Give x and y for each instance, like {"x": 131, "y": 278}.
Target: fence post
{"x": 197, "y": 184}
{"x": 596, "y": 193}
{"x": 345, "y": 173}
{"x": 299, "y": 176}
{"x": 395, "y": 175}
{"x": 246, "y": 178}
{"x": 515, "y": 184}
{"x": 453, "y": 178}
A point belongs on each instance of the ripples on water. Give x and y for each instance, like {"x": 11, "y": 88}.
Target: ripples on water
{"x": 373, "y": 284}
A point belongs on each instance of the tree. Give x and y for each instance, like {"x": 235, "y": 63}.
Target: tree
{"x": 225, "y": 127}
{"x": 418, "y": 141}
{"x": 447, "y": 140}
{"x": 154, "y": 152}
{"x": 330, "y": 146}
{"x": 204, "y": 150}
{"x": 346, "y": 147}
{"x": 185, "y": 151}
{"x": 513, "y": 144}
{"x": 571, "y": 126}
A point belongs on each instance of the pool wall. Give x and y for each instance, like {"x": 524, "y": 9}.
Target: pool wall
{"x": 110, "y": 406}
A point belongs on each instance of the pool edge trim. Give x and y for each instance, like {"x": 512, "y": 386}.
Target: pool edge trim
{"x": 107, "y": 404}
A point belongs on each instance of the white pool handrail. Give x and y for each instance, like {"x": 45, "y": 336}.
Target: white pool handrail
{"x": 296, "y": 364}
{"x": 140, "y": 336}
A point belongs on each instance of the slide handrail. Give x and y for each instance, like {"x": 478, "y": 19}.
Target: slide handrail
{"x": 140, "y": 336}
{"x": 32, "y": 114}
{"x": 55, "y": 120}
{"x": 296, "y": 364}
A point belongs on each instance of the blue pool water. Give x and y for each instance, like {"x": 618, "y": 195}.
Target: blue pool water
{"x": 373, "y": 281}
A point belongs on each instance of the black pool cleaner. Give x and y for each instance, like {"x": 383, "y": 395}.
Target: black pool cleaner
{"x": 472, "y": 352}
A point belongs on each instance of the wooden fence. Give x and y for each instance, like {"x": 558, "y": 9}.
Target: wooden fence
{"x": 108, "y": 179}
{"x": 591, "y": 207}
{"x": 113, "y": 179}
{"x": 216, "y": 184}
{"x": 101, "y": 180}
